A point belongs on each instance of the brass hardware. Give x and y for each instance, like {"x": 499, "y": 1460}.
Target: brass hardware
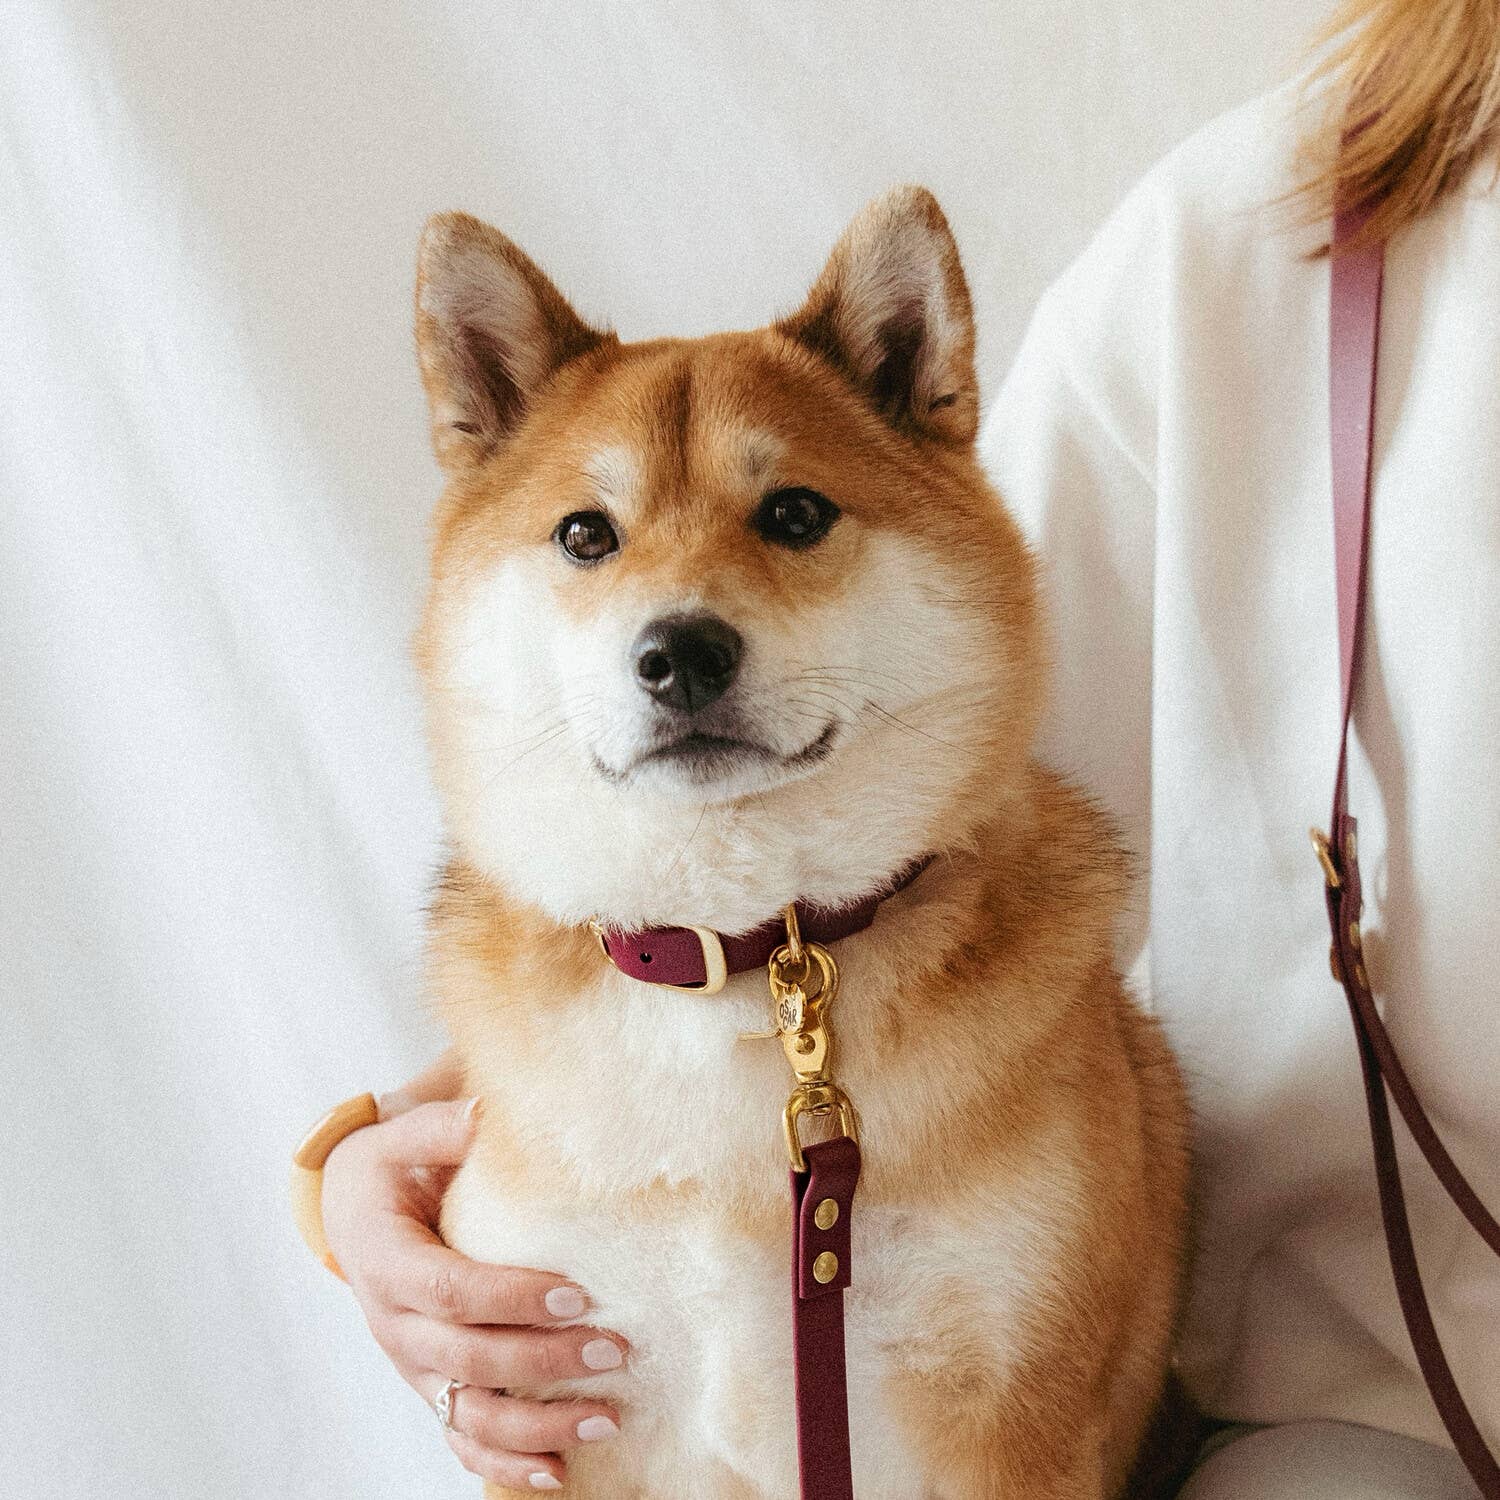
{"x": 825, "y": 1268}
{"x": 816, "y": 1099}
{"x": 793, "y": 933}
{"x": 1355, "y": 947}
{"x": 804, "y": 982}
{"x": 826, "y": 1214}
{"x": 791, "y": 1009}
{"x": 715, "y": 965}
{"x": 800, "y": 1016}
{"x": 1325, "y": 858}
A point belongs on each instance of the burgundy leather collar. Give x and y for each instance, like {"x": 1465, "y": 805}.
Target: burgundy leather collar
{"x": 698, "y": 958}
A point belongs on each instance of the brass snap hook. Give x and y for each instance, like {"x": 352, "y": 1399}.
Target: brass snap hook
{"x": 816, "y": 1099}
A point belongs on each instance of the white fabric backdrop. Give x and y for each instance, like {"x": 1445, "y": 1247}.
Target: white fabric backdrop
{"x": 215, "y": 827}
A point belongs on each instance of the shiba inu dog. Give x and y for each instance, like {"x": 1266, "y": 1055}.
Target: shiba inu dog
{"x": 716, "y": 625}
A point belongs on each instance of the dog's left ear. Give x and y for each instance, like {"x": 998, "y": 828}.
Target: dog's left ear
{"x": 891, "y": 311}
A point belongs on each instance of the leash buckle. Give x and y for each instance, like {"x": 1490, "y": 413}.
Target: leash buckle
{"x": 1324, "y": 849}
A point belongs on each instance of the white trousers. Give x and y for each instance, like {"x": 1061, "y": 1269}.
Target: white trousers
{"x": 1326, "y": 1461}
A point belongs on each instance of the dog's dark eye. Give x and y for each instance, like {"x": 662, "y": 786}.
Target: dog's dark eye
{"x": 795, "y": 517}
{"x": 586, "y": 536}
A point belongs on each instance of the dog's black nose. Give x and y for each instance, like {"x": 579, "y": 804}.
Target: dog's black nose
{"x": 687, "y": 661}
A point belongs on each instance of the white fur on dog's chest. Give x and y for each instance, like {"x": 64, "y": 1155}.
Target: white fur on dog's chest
{"x": 707, "y": 1311}
{"x": 657, "y": 1101}
{"x": 672, "y": 1123}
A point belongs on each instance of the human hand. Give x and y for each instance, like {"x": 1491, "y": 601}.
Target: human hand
{"x": 439, "y": 1315}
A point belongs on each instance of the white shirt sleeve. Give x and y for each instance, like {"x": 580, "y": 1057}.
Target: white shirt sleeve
{"x": 1069, "y": 469}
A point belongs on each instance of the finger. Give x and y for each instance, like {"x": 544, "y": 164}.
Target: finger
{"x": 498, "y": 1357}
{"x": 513, "y": 1424}
{"x": 431, "y": 1135}
{"x": 425, "y": 1276}
{"x": 513, "y": 1471}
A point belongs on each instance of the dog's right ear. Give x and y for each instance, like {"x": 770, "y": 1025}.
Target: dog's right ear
{"x": 491, "y": 331}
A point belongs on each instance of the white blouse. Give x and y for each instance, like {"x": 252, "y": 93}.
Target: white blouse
{"x": 1164, "y": 438}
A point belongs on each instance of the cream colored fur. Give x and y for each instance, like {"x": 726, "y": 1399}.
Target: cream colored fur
{"x": 1018, "y": 1229}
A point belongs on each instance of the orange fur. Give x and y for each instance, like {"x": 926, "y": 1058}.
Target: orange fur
{"x": 982, "y": 1028}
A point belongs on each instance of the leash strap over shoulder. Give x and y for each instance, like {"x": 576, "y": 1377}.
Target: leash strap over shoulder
{"x": 1354, "y": 336}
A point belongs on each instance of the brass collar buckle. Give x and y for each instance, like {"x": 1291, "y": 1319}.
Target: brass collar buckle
{"x": 715, "y": 961}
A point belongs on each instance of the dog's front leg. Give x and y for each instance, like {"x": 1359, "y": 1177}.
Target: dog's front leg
{"x": 980, "y": 1439}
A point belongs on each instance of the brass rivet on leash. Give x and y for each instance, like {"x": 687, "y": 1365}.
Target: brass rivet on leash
{"x": 826, "y": 1214}
{"x": 825, "y": 1268}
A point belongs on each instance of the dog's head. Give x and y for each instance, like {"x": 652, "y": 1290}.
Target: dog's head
{"x": 716, "y": 623}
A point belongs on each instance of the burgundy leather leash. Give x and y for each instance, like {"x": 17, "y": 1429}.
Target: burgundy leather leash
{"x": 1353, "y": 344}
{"x": 822, "y": 1211}
{"x": 792, "y": 949}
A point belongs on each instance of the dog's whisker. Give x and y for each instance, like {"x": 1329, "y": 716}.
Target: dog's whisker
{"x": 955, "y": 692}
{"x": 525, "y": 739}
{"x": 573, "y": 706}
{"x": 812, "y": 708}
{"x": 667, "y": 874}
{"x": 901, "y": 723}
{"x": 863, "y": 676}
{"x": 561, "y": 730}
{"x": 846, "y": 709}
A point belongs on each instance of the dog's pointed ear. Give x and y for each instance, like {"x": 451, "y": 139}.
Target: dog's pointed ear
{"x": 891, "y": 311}
{"x": 491, "y": 331}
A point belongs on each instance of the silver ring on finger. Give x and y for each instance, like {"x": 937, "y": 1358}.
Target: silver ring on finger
{"x": 443, "y": 1406}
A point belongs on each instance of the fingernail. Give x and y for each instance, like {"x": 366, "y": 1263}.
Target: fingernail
{"x": 602, "y": 1354}
{"x": 591, "y": 1429}
{"x": 471, "y": 1113}
{"x": 565, "y": 1302}
{"x": 545, "y": 1481}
